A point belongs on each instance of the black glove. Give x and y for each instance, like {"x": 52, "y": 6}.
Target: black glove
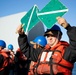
{"x": 17, "y": 54}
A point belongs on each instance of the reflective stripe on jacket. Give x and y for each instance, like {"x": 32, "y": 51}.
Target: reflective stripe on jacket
{"x": 59, "y": 65}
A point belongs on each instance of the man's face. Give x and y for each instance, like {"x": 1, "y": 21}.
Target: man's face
{"x": 52, "y": 40}
{"x": 1, "y": 48}
{"x": 36, "y": 46}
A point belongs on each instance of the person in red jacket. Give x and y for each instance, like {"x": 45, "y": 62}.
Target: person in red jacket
{"x": 38, "y": 42}
{"x": 21, "y": 63}
{"x": 5, "y": 59}
{"x": 12, "y": 55}
{"x": 58, "y": 57}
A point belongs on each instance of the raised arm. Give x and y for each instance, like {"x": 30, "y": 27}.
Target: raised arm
{"x": 71, "y": 31}
{"x": 70, "y": 52}
{"x": 29, "y": 51}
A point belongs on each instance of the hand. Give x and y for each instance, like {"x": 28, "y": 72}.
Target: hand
{"x": 19, "y": 30}
{"x": 24, "y": 57}
{"x": 62, "y": 22}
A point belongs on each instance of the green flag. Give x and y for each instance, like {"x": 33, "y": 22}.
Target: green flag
{"x": 49, "y": 13}
{"x": 30, "y": 19}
